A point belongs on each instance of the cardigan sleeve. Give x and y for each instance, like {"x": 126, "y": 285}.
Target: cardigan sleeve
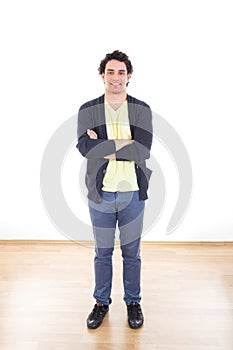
{"x": 142, "y": 134}
{"x": 91, "y": 148}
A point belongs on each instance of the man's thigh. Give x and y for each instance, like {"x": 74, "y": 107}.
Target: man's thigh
{"x": 130, "y": 217}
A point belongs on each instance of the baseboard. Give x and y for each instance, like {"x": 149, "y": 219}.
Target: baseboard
{"x": 88, "y": 243}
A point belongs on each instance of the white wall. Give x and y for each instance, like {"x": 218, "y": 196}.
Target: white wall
{"x": 182, "y": 57}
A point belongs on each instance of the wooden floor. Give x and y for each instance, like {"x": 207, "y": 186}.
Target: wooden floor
{"x": 46, "y": 294}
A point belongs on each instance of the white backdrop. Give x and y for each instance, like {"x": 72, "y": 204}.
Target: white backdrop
{"x": 182, "y": 57}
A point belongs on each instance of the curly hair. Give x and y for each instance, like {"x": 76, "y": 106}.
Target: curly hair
{"x": 116, "y": 55}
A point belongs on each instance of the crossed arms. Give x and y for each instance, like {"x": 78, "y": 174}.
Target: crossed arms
{"x": 118, "y": 143}
{"x": 93, "y": 142}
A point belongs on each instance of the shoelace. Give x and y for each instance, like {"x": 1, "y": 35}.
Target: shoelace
{"x": 97, "y": 311}
{"x": 134, "y": 309}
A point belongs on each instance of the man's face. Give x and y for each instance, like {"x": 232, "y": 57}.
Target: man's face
{"x": 115, "y": 76}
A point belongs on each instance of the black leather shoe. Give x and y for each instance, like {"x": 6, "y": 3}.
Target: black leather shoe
{"x": 97, "y": 315}
{"x": 135, "y": 316}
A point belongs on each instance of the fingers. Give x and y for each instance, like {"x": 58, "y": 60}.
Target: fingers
{"x": 92, "y": 134}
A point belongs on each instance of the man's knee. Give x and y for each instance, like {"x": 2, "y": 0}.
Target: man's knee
{"x": 104, "y": 253}
{"x": 131, "y": 250}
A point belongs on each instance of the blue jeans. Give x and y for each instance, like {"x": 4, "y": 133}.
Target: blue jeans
{"x": 126, "y": 209}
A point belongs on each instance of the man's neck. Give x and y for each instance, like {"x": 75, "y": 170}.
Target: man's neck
{"x": 115, "y": 100}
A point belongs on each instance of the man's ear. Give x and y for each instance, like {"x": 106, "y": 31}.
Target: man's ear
{"x": 102, "y": 76}
{"x": 128, "y": 79}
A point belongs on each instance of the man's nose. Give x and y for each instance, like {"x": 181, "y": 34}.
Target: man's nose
{"x": 116, "y": 76}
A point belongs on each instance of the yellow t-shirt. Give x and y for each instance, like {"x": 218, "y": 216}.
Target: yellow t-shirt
{"x": 120, "y": 175}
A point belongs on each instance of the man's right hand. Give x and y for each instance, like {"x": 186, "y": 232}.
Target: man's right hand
{"x": 92, "y": 134}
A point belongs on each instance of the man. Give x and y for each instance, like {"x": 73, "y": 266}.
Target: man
{"x": 115, "y": 135}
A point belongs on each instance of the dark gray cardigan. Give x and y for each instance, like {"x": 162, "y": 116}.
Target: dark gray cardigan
{"x": 92, "y": 116}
